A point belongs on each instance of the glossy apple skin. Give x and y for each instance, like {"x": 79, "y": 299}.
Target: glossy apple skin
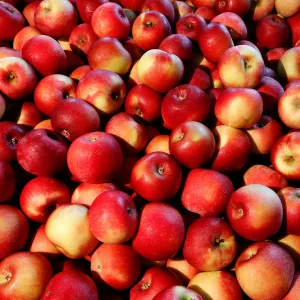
{"x": 113, "y": 217}
{"x": 294, "y": 22}
{"x": 15, "y": 232}
{"x": 158, "y": 143}
{"x": 45, "y": 124}
{"x": 109, "y": 19}
{"x": 72, "y": 285}
{"x": 24, "y": 35}
{"x": 210, "y": 244}
{"x": 29, "y": 115}
{"x": 10, "y": 135}
{"x": 287, "y": 8}
{"x": 192, "y": 144}
{"x": 241, "y": 8}
{"x": 261, "y": 9}
{"x": 41, "y": 196}
{"x": 287, "y": 67}
{"x": 7, "y": 181}
{"x": 11, "y": 19}
{"x": 176, "y": 293}
{"x": 291, "y": 243}
{"x": 245, "y": 208}
{"x": 28, "y": 11}
{"x": 206, "y": 12}
{"x": 285, "y": 155}
{"x": 154, "y": 280}
{"x": 218, "y": 189}
{"x": 181, "y": 9}
{"x": 108, "y": 262}
{"x": 198, "y": 77}
{"x": 42, "y": 152}
{"x": 156, "y": 177}
{"x": 199, "y": 3}
{"x": 80, "y": 72}
{"x": 135, "y": 5}
{"x": 259, "y": 257}
{"x": 7, "y": 52}
{"x": 163, "y": 6}
{"x": 104, "y": 149}
{"x": 273, "y": 56}
{"x": 87, "y": 8}
{"x": 219, "y": 285}
{"x": 294, "y": 289}
{"x": 157, "y": 244}
{"x": 56, "y": 19}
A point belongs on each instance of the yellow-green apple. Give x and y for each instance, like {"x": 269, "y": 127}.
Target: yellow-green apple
{"x": 273, "y": 56}
{"x": 24, "y": 275}
{"x": 51, "y": 90}
{"x": 109, "y": 54}
{"x": 86, "y": 8}
{"x": 271, "y": 268}
{"x": 106, "y": 153}
{"x": 287, "y": 8}
{"x": 294, "y": 23}
{"x": 156, "y": 177}
{"x": 80, "y": 72}
{"x": 86, "y": 193}
{"x": 262, "y": 8}
{"x": 17, "y": 78}
{"x": 45, "y": 124}
{"x": 144, "y": 102}
{"x": 214, "y": 40}
{"x": 63, "y": 226}
{"x": 104, "y": 89}
{"x": 116, "y": 265}
{"x": 158, "y": 143}
{"x": 209, "y": 244}
{"x": 163, "y": 6}
{"x": 28, "y": 114}
{"x": 285, "y": 155}
{"x": 24, "y": 35}
{"x": 184, "y": 103}
{"x": 192, "y": 144}
{"x": 233, "y": 148}
{"x": 154, "y": 280}
{"x": 234, "y": 23}
{"x": 239, "y": 107}
{"x": 113, "y": 217}
{"x": 198, "y": 77}
{"x": 217, "y": 285}
{"x": 71, "y": 285}
{"x": 218, "y": 189}
{"x": 272, "y": 31}
{"x": 177, "y": 292}
{"x": 42, "y": 152}
{"x": 81, "y": 38}
{"x": 288, "y": 65}
{"x": 181, "y": 9}
{"x": 291, "y": 243}
{"x": 240, "y": 7}
{"x": 11, "y": 21}
{"x": 56, "y": 18}
{"x": 135, "y": 5}
{"x": 7, "y": 181}
{"x": 294, "y": 290}
{"x": 129, "y": 131}
{"x": 264, "y": 134}
{"x": 14, "y": 230}
{"x": 109, "y": 19}
{"x": 260, "y": 174}
{"x": 158, "y": 244}
{"x": 245, "y": 208}
{"x": 241, "y": 67}
{"x": 290, "y": 197}
{"x": 28, "y": 11}
{"x": 160, "y": 70}
{"x": 74, "y": 117}
{"x": 149, "y": 29}
{"x": 41, "y": 195}
{"x": 7, "y": 52}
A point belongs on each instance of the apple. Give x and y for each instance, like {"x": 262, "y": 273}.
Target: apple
{"x": 159, "y": 143}
{"x": 24, "y": 35}
{"x": 181, "y": 9}
{"x": 198, "y": 77}
{"x": 7, "y": 181}
{"x": 293, "y": 21}
{"x": 80, "y": 72}
{"x": 28, "y": 11}
{"x": 291, "y": 243}
{"x": 135, "y": 5}
{"x": 260, "y": 9}
{"x": 199, "y": 3}
{"x": 8, "y": 52}
{"x": 163, "y": 6}
{"x": 28, "y": 114}
{"x": 294, "y": 289}
{"x": 206, "y": 12}
{"x": 131, "y": 46}
{"x": 273, "y": 56}
{"x": 287, "y": 67}
{"x": 45, "y": 124}
{"x": 87, "y": 8}
{"x": 288, "y": 8}
{"x": 177, "y": 292}
{"x": 240, "y": 7}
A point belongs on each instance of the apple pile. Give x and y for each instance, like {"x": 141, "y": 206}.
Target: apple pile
{"x": 150, "y": 149}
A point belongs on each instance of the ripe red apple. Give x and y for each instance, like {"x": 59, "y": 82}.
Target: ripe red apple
{"x": 163, "y": 6}
{"x": 294, "y": 23}
{"x": 206, "y": 12}
{"x": 294, "y": 289}
{"x": 28, "y": 114}
{"x": 7, "y": 52}
{"x": 240, "y": 7}
{"x": 24, "y": 35}
{"x": 135, "y": 5}
{"x": 198, "y": 3}
{"x": 158, "y": 143}
{"x": 288, "y": 65}
{"x": 198, "y": 77}
{"x": 177, "y": 292}
{"x": 261, "y": 9}
{"x": 28, "y": 11}
{"x": 80, "y": 72}
{"x": 291, "y": 243}
{"x": 87, "y": 8}
{"x": 7, "y": 181}
{"x": 46, "y": 124}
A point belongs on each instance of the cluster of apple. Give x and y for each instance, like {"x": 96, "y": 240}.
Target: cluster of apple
{"x": 150, "y": 149}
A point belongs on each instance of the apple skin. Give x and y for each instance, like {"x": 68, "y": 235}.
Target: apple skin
{"x": 157, "y": 244}
{"x": 7, "y": 52}
{"x": 113, "y": 217}
{"x": 87, "y": 8}
{"x": 294, "y": 22}
{"x": 160, "y": 70}
{"x": 260, "y": 174}
{"x": 110, "y": 20}
{"x": 24, "y": 275}
{"x": 28, "y": 11}
{"x": 181, "y": 9}
{"x": 7, "y": 181}
{"x": 154, "y": 280}
{"x": 24, "y": 35}
{"x": 210, "y": 244}
{"x": 287, "y": 8}
{"x": 10, "y": 19}
{"x": 163, "y": 6}
{"x": 218, "y": 285}
{"x": 17, "y": 78}
{"x": 291, "y": 243}
{"x": 158, "y": 143}
{"x": 42, "y": 152}
{"x": 109, "y": 54}
{"x": 41, "y": 195}
{"x": 285, "y": 155}
{"x": 294, "y": 289}
{"x": 206, "y": 12}
{"x": 199, "y": 3}
{"x": 134, "y": 5}
{"x": 149, "y": 29}
{"x": 218, "y": 189}
{"x": 45, "y": 124}
{"x": 80, "y": 72}
{"x": 55, "y": 18}
{"x": 104, "y": 149}
{"x": 256, "y": 259}
{"x": 2, "y": 106}
{"x": 192, "y": 144}
{"x": 184, "y": 103}
{"x": 287, "y": 67}
{"x": 290, "y": 201}
{"x": 245, "y": 208}
{"x": 238, "y": 7}
{"x": 104, "y": 89}
{"x": 156, "y": 177}
{"x": 29, "y": 115}
{"x": 273, "y": 56}
{"x": 176, "y": 293}
{"x": 116, "y": 265}
{"x": 198, "y": 77}
{"x": 71, "y": 284}
{"x": 74, "y": 117}
{"x": 261, "y": 9}
{"x": 15, "y": 232}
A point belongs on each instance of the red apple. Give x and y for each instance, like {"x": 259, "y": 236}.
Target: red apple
{"x": 8, "y": 52}
{"x": 177, "y": 292}
{"x": 294, "y": 290}
{"x": 288, "y": 65}
{"x": 28, "y": 114}
{"x": 135, "y": 5}
{"x": 240, "y": 7}
{"x": 46, "y": 124}
{"x": 158, "y": 143}
{"x": 163, "y": 6}
{"x": 7, "y": 181}
{"x": 294, "y": 22}
{"x": 198, "y": 77}
{"x": 273, "y": 56}
{"x": 24, "y": 35}
{"x": 260, "y": 9}
{"x": 28, "y": 11}
{"x": 206, "y": 12}
{"x": 80, "y": 72}
{"x": 87, "y": 8}
{"x": 291, "y": 243}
